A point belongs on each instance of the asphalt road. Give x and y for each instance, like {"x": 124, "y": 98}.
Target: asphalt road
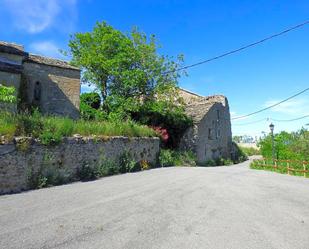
{"x": 222, "y": 207}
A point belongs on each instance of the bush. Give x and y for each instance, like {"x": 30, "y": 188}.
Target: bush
{"x": 108, "y": 168}
{"x": 87, "y": 172}
{"x": 217, "y": 162}
{"x": 169, "y": 158}
{"x": 127, "y": 164}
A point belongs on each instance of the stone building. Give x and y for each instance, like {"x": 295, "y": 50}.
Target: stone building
{"x": 49, "y": 84}
{"x": 210, "y": 137}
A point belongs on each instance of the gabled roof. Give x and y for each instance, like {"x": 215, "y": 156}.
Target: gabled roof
{"x": 197, "y": 106}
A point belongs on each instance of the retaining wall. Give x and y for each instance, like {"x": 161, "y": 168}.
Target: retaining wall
{"x": 25, "y": 156}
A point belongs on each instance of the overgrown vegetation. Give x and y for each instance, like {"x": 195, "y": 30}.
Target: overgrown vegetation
{"x": 217, "y": 162}
{"x": 51, "y": 175}
{"x": 131, "y": 78}
{"x": 169, "y": 158}
{"x": 50, "y": 130}
{"x": 295, "y": 168}
{"x": 7, "y": 94}
{"x": 289, "y": 146}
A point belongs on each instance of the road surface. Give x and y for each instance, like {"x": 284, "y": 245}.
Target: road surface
{"x": 217, "y": 208}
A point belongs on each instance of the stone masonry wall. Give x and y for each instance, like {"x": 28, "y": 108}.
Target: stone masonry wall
{"x": 18, "y": 160}
{"x": 59, "y": 88}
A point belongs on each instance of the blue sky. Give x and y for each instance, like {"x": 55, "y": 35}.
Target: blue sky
{"x": 251, "y": 79}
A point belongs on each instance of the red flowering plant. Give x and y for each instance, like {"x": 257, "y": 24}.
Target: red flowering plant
{"x": 162, "y": 132}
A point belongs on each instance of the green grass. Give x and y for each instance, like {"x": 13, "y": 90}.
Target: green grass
{"x": 281, "y": 166}
{"x": 51, "y": 129}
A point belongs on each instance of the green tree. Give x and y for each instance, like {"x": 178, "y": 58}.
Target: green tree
{"x": 294, "y": 145}
{"x": 126, "y": 68}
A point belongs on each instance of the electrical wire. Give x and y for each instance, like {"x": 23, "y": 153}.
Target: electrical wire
{"x": 254, "y": 122}
{"x": 290, "y": 120}
{"x": 269, "y": 107}
{"x": 240, "y": 49}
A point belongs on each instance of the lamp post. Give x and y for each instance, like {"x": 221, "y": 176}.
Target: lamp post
{"x": 271, "y": 126}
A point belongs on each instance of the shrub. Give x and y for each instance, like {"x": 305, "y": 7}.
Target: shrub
{"x": 87, "y": 172}
{"x": 239, "y": 154}
{"x": 108, "y": 167}
{"x": 169, "y": 158}
{"x": 127, "y": 164}
{"x": 217, "y": 162}
{"x": 89, "y": 106}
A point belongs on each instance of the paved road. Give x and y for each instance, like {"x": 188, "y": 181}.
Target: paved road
{"x": 224, "y": 207}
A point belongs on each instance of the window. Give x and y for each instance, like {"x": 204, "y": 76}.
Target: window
{"x": 37, "y": 92}
{"x": 218, "y": 114}
{"x": 209, "y": 133}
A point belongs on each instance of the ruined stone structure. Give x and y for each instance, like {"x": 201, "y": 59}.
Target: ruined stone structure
{"x": 49, "y": 84}
{"x": 210, "y": 137}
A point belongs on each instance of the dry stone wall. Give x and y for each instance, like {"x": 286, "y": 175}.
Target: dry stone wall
{"x": 26, "y": 156}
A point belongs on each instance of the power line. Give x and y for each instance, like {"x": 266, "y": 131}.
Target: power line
{"x": 241, "y": 48}
{"x": 290, "y": 120}
{"x": 269, "y": 107}
{"x": 254, "y": 122}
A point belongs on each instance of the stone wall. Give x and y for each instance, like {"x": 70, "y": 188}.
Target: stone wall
{"x": 18, "y": 160}
{"x": 51, "y": 85}
{"x": 210, "y": 137}
{"x": 58, "y": 89}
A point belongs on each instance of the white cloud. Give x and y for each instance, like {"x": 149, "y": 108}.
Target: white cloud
{"x": 35, "y": 16}
{"x": 47, "y": 48}
{"x": 291, "y": 107}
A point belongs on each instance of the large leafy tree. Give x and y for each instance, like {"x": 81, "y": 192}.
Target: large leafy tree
{"x": 125, "y": 68}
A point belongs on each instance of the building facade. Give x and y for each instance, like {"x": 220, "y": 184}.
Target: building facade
{"x": 210, "y": 137}
{"x": 49, "y": 84}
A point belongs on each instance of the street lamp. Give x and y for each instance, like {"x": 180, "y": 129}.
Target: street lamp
{"x": 271, "y": 126}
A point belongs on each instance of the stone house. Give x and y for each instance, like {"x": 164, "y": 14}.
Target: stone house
{"x": 51, "y": 85}
{"x": 210, "y": 137}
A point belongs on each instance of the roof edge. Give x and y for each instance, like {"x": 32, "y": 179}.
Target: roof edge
{"x": 44, "y": 60}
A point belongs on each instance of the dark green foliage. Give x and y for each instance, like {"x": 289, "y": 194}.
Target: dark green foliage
{"x": 169, "y": 158}
{"x": 217, "y": 162}
{"x": 91, "y": 99}
{"x": 240, "y": 155}
{"x": 87, "y": 172}
{"x": 161, "y": 114}
{"x": 89, "y": 106}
